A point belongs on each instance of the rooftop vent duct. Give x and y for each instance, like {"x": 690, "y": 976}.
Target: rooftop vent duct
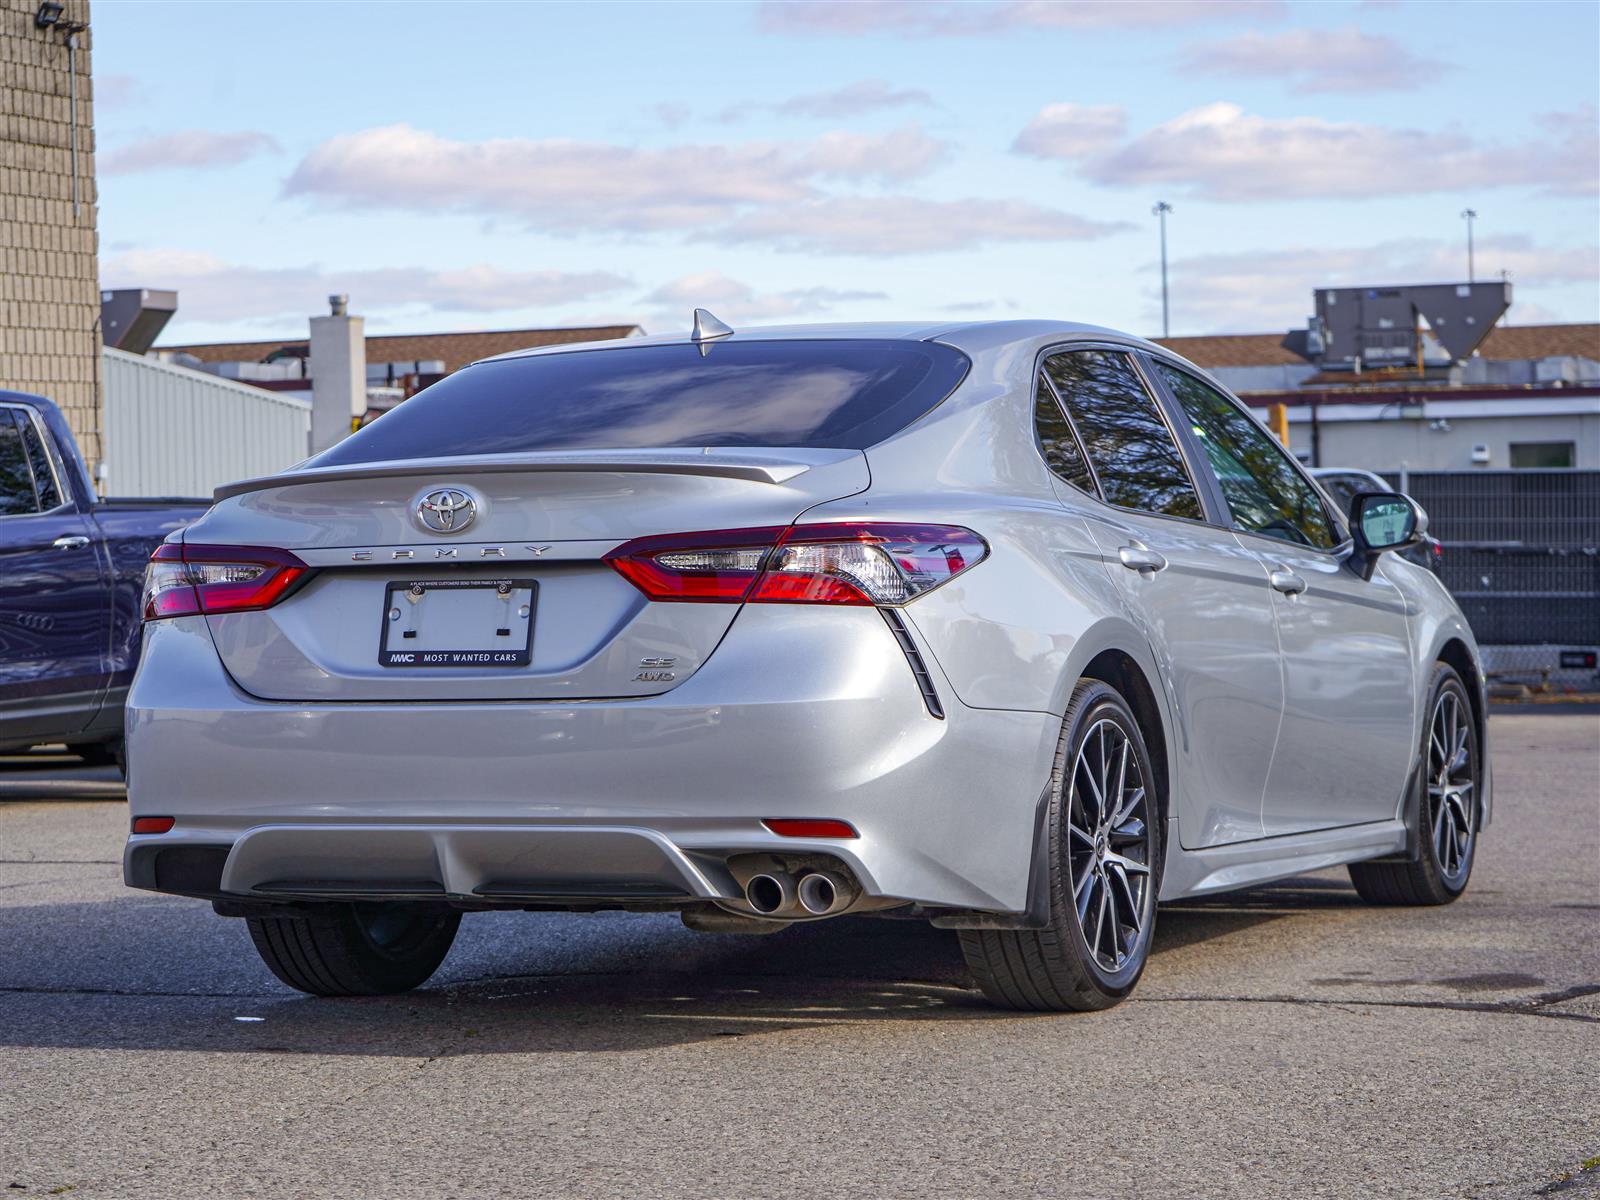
{"x": 1393, "y": 326}
{"x": 132, "y": 318}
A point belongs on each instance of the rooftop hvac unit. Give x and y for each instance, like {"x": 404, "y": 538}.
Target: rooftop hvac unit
{"x": 1378, "y": 327}
{"x": 132, "y": 318}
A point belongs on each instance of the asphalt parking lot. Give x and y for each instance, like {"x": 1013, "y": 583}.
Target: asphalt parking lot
{"x": 1284, "y": 1042}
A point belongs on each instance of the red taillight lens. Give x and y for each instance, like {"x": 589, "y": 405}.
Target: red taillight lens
{"x": 810, "y": 827}
{"x": 185, "y": 580}
{"x": 845, "y": 563}
{"x": 153, "y": 824}
{"x": 719, "y": 565}
{"x": 866, "y": 563}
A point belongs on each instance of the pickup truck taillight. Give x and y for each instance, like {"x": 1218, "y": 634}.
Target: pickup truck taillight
{"x": 846, "y": 563}
{"x": 186, "y": 580}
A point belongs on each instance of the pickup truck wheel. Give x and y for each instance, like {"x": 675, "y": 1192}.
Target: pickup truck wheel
{"x": 100, "y": 754}
{"x": 356, "y": 949}
{"x": 1105, "y": 844}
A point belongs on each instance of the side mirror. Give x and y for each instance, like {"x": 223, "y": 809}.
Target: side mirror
{"x": 1381, "y": 521}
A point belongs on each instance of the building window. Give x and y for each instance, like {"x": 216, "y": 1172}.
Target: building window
{"x": 1543, "y": 454}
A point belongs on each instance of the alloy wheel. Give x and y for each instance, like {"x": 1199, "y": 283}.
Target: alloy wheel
{"x": 1108, "y": 831}
{"x": 1452, "y": 778}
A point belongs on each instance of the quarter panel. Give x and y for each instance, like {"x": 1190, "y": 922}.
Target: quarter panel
{"x": 1006, "y": 633}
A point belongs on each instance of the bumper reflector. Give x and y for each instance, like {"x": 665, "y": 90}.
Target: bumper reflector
{"x": 810, "y": 827}
{"x": 153, "y": 824}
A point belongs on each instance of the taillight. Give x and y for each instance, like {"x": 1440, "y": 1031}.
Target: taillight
{"x": 186, "y": 580}
{"x": 718, "y": 565}
{"x": 847, "y": 563}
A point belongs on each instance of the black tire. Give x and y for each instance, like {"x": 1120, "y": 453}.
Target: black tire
{"x": 101, "y": 754}
{"x": 356, "y": 949}
{"x": 1054, "y": 969}
{"x": 1432, "y": 879}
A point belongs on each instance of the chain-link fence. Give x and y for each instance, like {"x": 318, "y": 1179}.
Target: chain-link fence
{"x": 1522, "y": 558}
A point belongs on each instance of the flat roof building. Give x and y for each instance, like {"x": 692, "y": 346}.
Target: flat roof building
{"x": 1528, "y": 396}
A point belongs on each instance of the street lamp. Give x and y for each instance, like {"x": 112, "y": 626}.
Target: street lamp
{"x": 1469, "y": 215}
{"x": 1160, "y": 211}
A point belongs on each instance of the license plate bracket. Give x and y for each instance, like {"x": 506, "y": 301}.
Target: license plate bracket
{"x": 459, "y": 623}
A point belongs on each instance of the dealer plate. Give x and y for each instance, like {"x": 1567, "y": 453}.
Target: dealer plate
{"x": 458, "y": 623}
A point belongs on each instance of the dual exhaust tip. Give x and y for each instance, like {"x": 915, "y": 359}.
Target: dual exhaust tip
{"x": 813, "y": 894}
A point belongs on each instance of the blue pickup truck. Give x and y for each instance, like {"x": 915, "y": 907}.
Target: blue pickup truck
{"x": 71, "y": 577}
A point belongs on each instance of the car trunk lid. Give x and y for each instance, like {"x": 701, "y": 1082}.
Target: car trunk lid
{"x": 539, "y": 527}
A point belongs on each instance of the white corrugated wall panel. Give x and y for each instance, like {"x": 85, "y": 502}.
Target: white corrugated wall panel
{"x": 170, "y": 431}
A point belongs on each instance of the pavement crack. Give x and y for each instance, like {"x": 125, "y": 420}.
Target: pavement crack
{"x": 135, "y": 994}
{"x": 59, "y": 862}
{"x": 1533, "y": 1007}
{"x": 1565, "y": 994}
{"x": 31, "y": 883}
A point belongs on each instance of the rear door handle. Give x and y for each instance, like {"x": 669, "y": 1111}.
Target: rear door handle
{"x": 1286, "y": 582}
{"x": 73, "y": 541}
{"x": 1137, "y": 558}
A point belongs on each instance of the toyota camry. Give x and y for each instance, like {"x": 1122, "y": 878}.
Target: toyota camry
{"x": 1015, "y": 627}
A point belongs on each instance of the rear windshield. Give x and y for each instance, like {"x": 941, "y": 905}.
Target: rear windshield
{"x": 827, "y": 394}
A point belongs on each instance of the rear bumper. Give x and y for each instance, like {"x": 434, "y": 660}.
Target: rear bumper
{"x": 800, "y": 712}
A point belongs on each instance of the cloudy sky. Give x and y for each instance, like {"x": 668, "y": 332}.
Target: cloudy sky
{"x": 483, "y": 165}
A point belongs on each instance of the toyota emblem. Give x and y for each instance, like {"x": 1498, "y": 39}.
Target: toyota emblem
{"x": 446, "y": 510}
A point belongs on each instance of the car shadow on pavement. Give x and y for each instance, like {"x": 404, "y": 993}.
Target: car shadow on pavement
{"x": 515, "y": 983}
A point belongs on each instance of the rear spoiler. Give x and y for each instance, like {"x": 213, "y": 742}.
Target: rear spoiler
{"x": 756, "y": 466}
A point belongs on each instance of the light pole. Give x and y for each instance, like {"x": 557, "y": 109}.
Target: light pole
{"x": 1469, "y": 215}
{"x": 1160, "y": 211}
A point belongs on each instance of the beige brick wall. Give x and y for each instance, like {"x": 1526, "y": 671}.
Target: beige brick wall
{"x": 49, "y": 271}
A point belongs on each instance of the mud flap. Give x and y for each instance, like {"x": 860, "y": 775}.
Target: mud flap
{"x": 1037, "y": 914}
{"x": 1412, "y": 816}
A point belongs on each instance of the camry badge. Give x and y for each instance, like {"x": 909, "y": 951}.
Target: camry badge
{"x": 446, "y": 510}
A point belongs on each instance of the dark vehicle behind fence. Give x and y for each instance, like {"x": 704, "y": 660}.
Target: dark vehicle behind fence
{"x": 71, "y": 573}
{"x": 1344, "y": 484}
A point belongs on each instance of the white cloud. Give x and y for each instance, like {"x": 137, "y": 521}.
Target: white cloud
{"x": 1270, "y": 290}
{"x": 957, "y": 18}
{"x": 571, "y": 185}
{"x": 752, "y": 192}
{"x": 1318, "y": 60}
{"x": 1221, "y": 152}
{"x": 978, "y": 307}
{"x": 1071, "y": 130}
{"x": 738, "y": 303}
{"x": 189, "y": 148}
{"x": 114, "y": 92}
{"x": 852, "y": 100}
{"x": 889, "y": 225}
{"x": 903, "y": 154}
{"x": 671, "y": 113}
{"x": 212, "y": 290}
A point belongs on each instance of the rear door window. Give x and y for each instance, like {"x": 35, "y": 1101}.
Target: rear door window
{"x": 1265, "y": 491}
{"x": 16, "y": 476}
{"x": 825, "y": 394}
{"x": 1062, "y": 453}
{"x": 44, "y": 476}
{"x": 1135, "y": 457}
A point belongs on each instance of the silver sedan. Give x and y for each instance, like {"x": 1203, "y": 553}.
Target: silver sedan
{"x": 1016, "y": 627}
